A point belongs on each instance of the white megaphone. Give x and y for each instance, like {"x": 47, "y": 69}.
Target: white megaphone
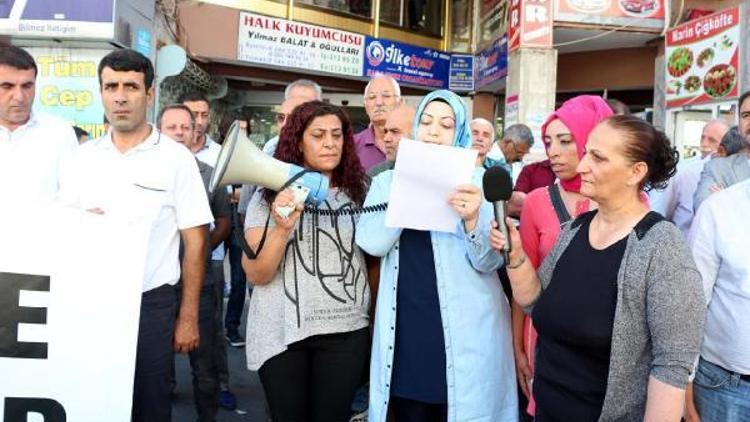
{"x": 241, "y": 162}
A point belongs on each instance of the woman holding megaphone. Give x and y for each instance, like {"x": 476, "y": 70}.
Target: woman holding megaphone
{"x": 307, "y": 324}
{"x": 442, "y": 343}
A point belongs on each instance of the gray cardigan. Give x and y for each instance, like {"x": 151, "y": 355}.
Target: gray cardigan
{"x": 658, "y": 325}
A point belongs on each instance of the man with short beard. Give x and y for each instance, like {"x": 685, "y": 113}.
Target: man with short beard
{"x": 136, "y": 172}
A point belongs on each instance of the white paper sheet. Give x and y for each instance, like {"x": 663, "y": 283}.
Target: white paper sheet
{"x": 424, "y": 177}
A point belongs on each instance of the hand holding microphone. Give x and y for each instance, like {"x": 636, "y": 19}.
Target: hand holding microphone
{"x": 498, "y": 187}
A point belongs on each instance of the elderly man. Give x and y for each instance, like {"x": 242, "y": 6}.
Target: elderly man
{"x": 482, "y": 138}
{"x": 382, "y": 95}
{"x": 208, "y": 361}
{"x": 398, "y": 125}
{"x": 515, "y": 143}
{"x": 296, "y": 93}
{"x": 675, "y": 202}
{"x": 721, "y": 173}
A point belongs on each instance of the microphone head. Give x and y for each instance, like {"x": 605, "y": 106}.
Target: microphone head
{"x": 497, "y": 184}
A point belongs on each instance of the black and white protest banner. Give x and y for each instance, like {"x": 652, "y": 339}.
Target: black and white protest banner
{"x": 70, "y": 291}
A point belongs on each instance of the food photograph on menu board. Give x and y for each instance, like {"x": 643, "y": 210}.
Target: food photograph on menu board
{"x": 702, "y": 60}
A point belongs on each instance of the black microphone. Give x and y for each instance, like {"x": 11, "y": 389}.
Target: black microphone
{"x": 498, "y": 186}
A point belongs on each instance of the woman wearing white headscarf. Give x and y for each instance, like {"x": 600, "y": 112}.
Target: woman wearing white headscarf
{"x": 448, "y": 355}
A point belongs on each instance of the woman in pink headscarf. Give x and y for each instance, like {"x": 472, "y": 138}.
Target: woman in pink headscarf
{"x": 565, "y": 134}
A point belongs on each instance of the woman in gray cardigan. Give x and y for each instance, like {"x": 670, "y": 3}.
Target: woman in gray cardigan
{"x": 618, "y": 302}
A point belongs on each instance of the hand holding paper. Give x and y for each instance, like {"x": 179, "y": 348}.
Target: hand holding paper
{"x": 424, "y": 180}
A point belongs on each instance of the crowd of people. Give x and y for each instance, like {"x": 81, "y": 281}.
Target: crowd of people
{"x": 624, "y": 295}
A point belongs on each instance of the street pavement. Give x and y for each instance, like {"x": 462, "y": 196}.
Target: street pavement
{"x": 244, "y": 384}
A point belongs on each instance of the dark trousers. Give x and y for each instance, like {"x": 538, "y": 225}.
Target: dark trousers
{"x": 202, "y": 359}
{"x": 153, "y": 361}
{"x": 236, "y": 302}
{"x": 220, "y": 346}
{"x": 314, "y": 379}
{"x": 406, "y": 410}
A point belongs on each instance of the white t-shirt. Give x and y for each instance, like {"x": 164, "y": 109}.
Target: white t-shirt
{"x": 209, "y": 154}
{"x": 30, "y": 160}
{"x": 157, "y": 181}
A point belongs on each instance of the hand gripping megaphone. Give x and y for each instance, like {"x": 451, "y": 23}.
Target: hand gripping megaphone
{"x": 241, "y": 162}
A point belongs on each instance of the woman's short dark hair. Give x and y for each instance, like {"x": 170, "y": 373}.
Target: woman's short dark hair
{"x": 349, "y": 176}
{"x": 645, "y": 143}
{"x": 17, "y": 58}
{"x": 127, "y": 60}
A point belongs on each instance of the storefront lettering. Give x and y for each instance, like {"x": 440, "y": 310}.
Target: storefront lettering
{"x": 53, "y": 96}
{"x": 263, "y": 23}
{"x": 62, "y": 67}
{"x": 714, "y": 24}
{"x": 323, "y": 33}
{"x": 394, "y": 55}
{"x": 703, "y": 28}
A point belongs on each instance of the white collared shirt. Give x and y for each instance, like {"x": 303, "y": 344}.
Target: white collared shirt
{"x": 720, "y": 240}
{"x": 209, "y": 154}
{"x": 157, "y": 181}
{"x": 675, "y": 202}
{"x": 30, "y": 160}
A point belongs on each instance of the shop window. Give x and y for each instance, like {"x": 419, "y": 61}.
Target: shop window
{"x": 424, "y": 16}
{"x": 461, "y": 25}
{"x": 391, "y": 11}
{"x": 492, "y": 21}
{"x": 361, "y": 8}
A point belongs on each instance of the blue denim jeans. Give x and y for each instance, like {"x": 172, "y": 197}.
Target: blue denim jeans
{"x": 720, "y": 395}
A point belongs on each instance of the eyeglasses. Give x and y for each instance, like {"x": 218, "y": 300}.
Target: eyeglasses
{"x": 385, "y": 96}
{"x": 280, "y": 118}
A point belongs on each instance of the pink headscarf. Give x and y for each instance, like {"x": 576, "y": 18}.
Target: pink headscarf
{"x": 580, "y": 114}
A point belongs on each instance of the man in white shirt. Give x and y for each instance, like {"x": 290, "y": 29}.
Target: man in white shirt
{"x": 675, "y": 202}
{"x": 133, "y": 173}
{"x": 32, "y": 145}
{"x": 720, "y": 240}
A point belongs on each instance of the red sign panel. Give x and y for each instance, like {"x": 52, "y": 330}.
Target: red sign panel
{"x": 530, "y": 24}
{"x": 702, "y": 59}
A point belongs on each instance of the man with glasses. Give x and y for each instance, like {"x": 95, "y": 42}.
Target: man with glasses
{"x": 382, "y": 95}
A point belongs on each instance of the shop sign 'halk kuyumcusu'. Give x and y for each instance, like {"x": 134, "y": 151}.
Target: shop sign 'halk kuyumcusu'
{"x": 287, "y": 44}
{"x": 702, "y": 58}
